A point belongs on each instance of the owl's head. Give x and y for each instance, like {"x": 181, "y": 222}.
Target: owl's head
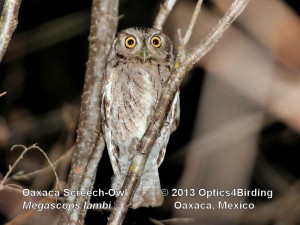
{"x": 143, "y": 44}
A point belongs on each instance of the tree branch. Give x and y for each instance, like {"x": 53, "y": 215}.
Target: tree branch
{"x": 199, "y": 51}
{"x": 3, "y": 93}
{"x": 163, "y": 14}
{"x": 182, "y": 66}
{"x": 189, "y": 31}
{"x": 90, "y": 144}
{"x": 8, "y": 23}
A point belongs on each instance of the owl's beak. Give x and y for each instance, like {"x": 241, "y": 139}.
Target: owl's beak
{"x": 144, "y": 54}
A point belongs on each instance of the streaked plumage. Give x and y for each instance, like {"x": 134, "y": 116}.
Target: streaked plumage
{"x": 139, "y": 62}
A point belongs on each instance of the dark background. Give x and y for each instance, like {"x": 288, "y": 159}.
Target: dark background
{"x": 39, "y": 80}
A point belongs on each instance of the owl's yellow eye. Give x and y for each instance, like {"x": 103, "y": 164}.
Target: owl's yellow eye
{"x": 130, "y": 42}
{"x": 156, "y": 42}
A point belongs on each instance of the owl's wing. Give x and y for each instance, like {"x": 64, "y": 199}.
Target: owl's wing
{"x": 112, "y": 148}
{"x": 170, "y": 125}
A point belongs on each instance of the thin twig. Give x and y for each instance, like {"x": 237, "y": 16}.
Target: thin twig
{"x": 33, "y": 147}
{"x": 163, "y": 14}
{"x": 189, "y": 31}
{"x": 63, "y": 158}
{"x": 90, "y": 144}
{"x": 3, "y": 93}
{"x": 181, "y": 47}
{"x": 199, "y": 51}
{"x": 183, "y": 41}
{"x": 168, "y": 93}
{"x": 8, "y": 23}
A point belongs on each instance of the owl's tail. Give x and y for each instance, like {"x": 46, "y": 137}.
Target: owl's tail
{"x": 148, "y": 193}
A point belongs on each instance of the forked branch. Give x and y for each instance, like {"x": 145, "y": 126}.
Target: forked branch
{"x": 184, "y": 63}
{"x": 89, "y": 143}
{"x": 163, "y": 14}
{"x": 8, "y": 23}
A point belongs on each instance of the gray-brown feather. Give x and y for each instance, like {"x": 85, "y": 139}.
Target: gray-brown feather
{"x": 130, "y": 93}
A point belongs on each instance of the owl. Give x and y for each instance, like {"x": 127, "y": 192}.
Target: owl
{"x": 139, "y": 63}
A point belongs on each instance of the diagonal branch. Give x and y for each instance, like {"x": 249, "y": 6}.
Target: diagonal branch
{"x": 163, "y": 14}
{"x": 89, "y": 144}
{"x": 3, "y": 93}
{"x": 189, "y": 31}
{"x": 168, "y": 92}
{"x": 206, "y": 45}
{"x": 8, "y": 23}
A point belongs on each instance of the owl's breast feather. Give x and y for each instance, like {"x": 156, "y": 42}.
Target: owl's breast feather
{"x": 148, "y": 96}
{"x": 134, "y": 94}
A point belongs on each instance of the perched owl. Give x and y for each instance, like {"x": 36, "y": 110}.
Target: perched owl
{"x": 139, "y": 62}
